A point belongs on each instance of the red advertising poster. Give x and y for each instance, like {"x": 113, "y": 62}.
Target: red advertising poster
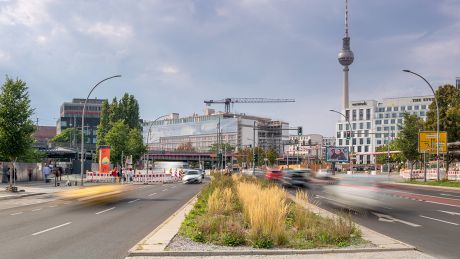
{"x": 104, "y": 159}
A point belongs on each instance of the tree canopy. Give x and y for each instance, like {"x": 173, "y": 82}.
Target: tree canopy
{"x": 407, "y": 140}
{"x": 16, "y": 127}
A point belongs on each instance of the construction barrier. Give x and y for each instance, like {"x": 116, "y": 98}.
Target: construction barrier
{"x": 453, "y": 175}
{"x": 431, "y": 174}
{"x": 97, "y": 177}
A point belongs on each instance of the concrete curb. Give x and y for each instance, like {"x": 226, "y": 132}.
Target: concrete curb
{"x": 20, "y": 196}
{"x": 155, "y": 243}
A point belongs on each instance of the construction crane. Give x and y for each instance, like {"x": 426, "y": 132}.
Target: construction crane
{"x": 228, "y": 101}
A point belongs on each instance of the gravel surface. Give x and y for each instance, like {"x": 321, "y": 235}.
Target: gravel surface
{"x": 179, "y": 243}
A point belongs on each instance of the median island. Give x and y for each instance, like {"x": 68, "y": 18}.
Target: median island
{"x": 242, "y": 211}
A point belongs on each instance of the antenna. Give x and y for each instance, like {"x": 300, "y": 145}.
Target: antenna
{"x": 346, "y": 18}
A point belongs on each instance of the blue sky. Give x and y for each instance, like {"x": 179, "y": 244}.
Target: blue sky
{"x": 175, "y": 54}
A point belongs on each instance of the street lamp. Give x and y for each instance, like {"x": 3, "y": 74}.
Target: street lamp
{"x": 82, "y": 153}
{"x": 437, "y": 119}
{"x": 351, "y": 139}
{"x": 148, "y": 136}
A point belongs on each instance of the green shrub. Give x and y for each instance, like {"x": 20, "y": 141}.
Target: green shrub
{"x": 262, "y": 241}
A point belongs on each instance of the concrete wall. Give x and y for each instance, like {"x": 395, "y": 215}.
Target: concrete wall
{"x": 23, "y": 170}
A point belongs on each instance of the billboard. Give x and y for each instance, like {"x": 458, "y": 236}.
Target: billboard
{"x": 337, "y": 154}
{"x": 104, "y": 159}
{"x": 427, "y": 141}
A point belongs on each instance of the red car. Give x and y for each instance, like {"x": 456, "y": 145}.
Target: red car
{"x": 273, "y": 174}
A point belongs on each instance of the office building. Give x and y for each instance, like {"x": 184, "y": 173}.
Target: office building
{"x": 70, "y": 117}
{"x": 376, "y": 123}
{"x": 457, "y": 83}
{"x": 202, "y": 131}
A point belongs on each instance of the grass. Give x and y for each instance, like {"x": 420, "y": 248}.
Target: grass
{"x": 445, "y": 183}
{"x": 241, "y": 210}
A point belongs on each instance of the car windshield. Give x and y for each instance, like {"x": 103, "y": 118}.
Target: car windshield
{"x": 192, "y": 173}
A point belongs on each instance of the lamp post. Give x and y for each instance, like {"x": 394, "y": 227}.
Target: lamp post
{"x": 148, "y": 136}
{"x": 351, "y": 139}
{"x": 437, "y": 119}
{"x": 82, "y": 153}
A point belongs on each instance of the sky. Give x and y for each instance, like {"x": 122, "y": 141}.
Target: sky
{"x": 173, "y": 55}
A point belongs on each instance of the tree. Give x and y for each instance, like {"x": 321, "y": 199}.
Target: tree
{"x": 271, "y": 155}
{"x": 129, "y": 109}
{"x": 224, "y": 146}
{"x": 186, "y": 147}
{"x": 135, "y": 144}
{"x": 407, "y": 140}
{"x": 449, "y": 112}
{"x": 117, "y": 137}
{"x": 16, "y": 127}
{"x": 67, "y": 135}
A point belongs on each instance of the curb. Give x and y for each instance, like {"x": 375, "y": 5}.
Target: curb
{"x": 383, "y": 243}
{"x": 20, "y": 196}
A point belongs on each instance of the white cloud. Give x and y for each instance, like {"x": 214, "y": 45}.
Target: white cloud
{"x": 110, "y": 31}
{"x": 4, "y": 57}
{"x": 25, "y": 12}
{"x": 169, "y": 70}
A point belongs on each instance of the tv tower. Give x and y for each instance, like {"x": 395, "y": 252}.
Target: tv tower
{"x": 345, "y": 58}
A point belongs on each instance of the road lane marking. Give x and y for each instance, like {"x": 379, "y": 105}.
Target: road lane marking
{"x": 173, "y": 186}
{"x": 152, "y": 194}
{"x": 17, "y": 213}
{"x": 445, "y": 204}
{"x": 388, "y": 218}
{"x": 450, "y": 212}
{"x": 37, "y": 209}
{"x": 49, "y": 229}
{"x": 164, "y": 190}
{"x": 133, "y": 201}
{"x": 450, "y": 195}
{"x": 52, "y": 206}
{"x": 100, "y": 212}
{"x": 440, "y": 220}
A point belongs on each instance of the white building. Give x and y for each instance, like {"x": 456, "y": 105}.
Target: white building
{"x": 375, "y": 123}
{"x": 308, "y": 146}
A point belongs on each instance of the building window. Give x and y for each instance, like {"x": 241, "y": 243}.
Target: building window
{"x": 347, "y": 127}
{"x": 394, "y": 115}
{"x": 422, "y": 113}
{"x": 378, "y": 122}
{"x": 385, "y": 122}
{"x": 381, "y": 109}
{"x": 361, "y": 141}
{"x": 340, "y": 127}
{"x": 354, "y": 115}
{"x": 393, "y": 128}
{"x": 368, "y": 125}
{"x": 401, "y": 114}
{"x": 340, "y": 142}
{"x": 379, "y": 142}
{"x": 338, "y": 134}
{"x": 393, "y": 121}
{"x": 379, "y": 128}
{"x": 403, "y": 108}
{"x": 378, "y": 135}
{"x": 359, "y": 148}
{"x": 368, "y": 114}
{"x": 347, "y": 114}
{"x": 409, "y": 108}
{"x": 361, "y": 125}
{"x": 366, "y": 149}
{"x": 399, "y": 121}
{"x": 388, "y": 109}
{"x": 354, "y": 141}
{"x": 395, "y": 109}
{"x": 423, "y": 107}
{"x": 380, "y": 115}
{"x": 387, "y": 115}
{"x": 416, "y": 107}
{"x": 347, "y": 142}
{"x": 354, "y": 126}
{"x": 361, "y": 114}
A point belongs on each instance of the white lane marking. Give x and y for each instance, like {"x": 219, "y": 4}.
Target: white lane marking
{"x": 322, "y": 197}
{"x": 164, "y": 190}
{"x": 440, "y": 220}
{"x": 445, "y": 204}
{"x": 133, "y": 201}
{"x": 37, "y": 209}
{"x": 49, "y": 229}
{"x": 17, "y": 213}
{"x": 450, "y": 212}
{"x": 173, "y": 186}
{"x": 445, "y": 194}
{"x": 152, "y": 194}
{"x": 52, "y": 206}
{"x": 100, "y": 212}
{"x": 388, "y": 218}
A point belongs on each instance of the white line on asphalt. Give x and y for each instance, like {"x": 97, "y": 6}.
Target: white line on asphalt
{"x": 17, "y": 213}
{"x": 164, "y": 190}
{"x": 388, "y": 218}
{"x": 152, "y": 194}
{"x": 100, "y": 212}
{"x": 37, "y": 209}
{"x": 445, "y": 194}
{"x": 445, "y": 204}
{"x": 173, "y": 186}
{"x": 52, "y": 206}
{"x": 440, "y": 220}
{"x": 133, "y": 201}
{"x": 450, "y": 212}
{"x": 49, "y": 229}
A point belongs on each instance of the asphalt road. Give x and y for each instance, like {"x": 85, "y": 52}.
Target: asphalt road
{"x": 77, "y": 229}
{"x": 426, "y": 219}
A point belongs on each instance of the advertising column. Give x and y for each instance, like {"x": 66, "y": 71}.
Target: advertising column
{"x": 104, "y": 159}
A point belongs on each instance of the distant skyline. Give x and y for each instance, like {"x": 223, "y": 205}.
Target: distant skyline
{"x": 173, "y": 55}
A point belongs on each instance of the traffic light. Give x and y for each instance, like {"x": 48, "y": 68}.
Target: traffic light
{"x": 348, "y": 135}
{"x": 299, "y": 131}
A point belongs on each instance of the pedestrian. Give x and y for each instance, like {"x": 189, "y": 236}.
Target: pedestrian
{"x": 114, "y": 173}
{"x": 8, "y": 173}
{"x": 61, "y": 171}
{"x": 29, "y": 173}
{"x": 46, "y": 172}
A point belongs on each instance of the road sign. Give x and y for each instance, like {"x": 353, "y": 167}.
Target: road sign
{"x": 427, "y": 141}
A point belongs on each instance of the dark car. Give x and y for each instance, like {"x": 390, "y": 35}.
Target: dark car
{"x": 273, "y": 174}
{"x": 296, "y": 178}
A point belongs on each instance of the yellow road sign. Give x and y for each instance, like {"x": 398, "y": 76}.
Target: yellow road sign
{"x": 427, "y": 141}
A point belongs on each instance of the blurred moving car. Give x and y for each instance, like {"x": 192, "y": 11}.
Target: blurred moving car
{"x": 273, "y": 174}
{"x": 324, "y": 174}
{"x": 192, "y": 176}
{"x": 296, "y": 177}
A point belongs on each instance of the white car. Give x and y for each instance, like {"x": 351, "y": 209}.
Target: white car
{"x": 192, "y": 176}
